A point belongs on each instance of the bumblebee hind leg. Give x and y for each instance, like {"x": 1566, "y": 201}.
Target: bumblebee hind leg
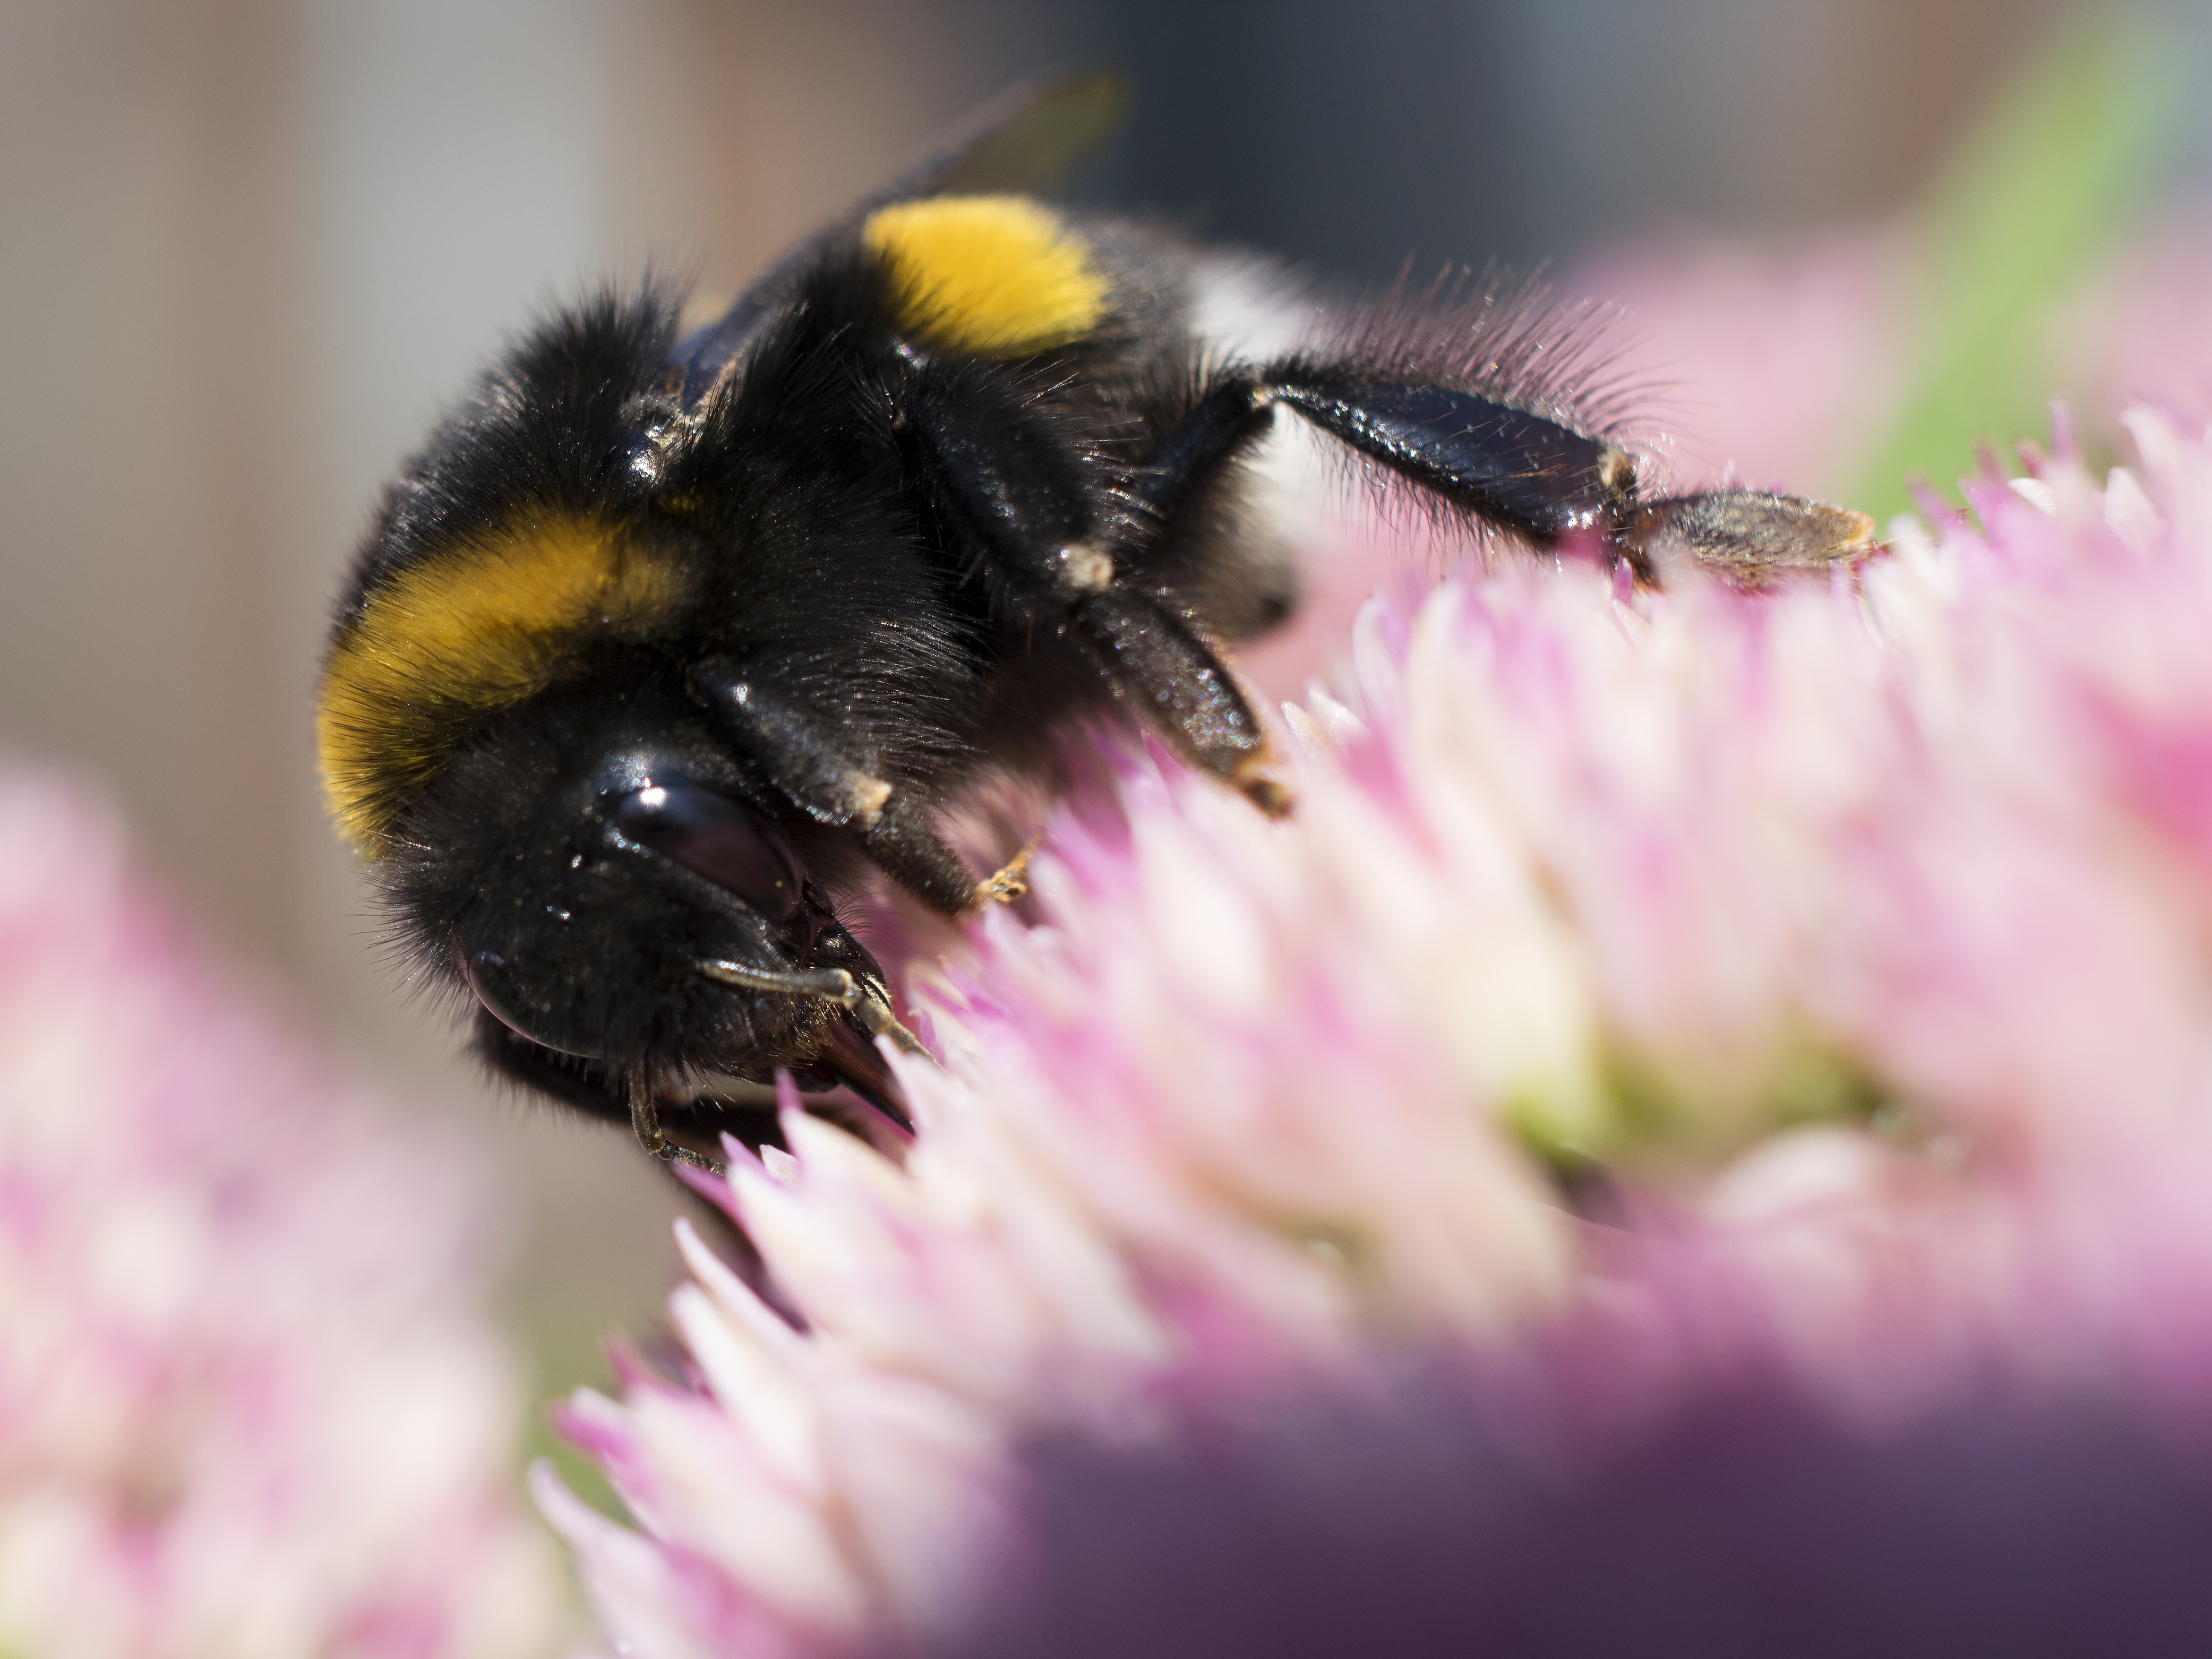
{"x": 1752, "y": 537}
{"x": 1506, "y": 467}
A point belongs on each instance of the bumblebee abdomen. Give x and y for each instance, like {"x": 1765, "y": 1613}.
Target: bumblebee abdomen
{"x": 990, "y": 276}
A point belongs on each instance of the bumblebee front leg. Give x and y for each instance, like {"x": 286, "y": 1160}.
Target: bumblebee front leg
{"x": 645, "y": 1124}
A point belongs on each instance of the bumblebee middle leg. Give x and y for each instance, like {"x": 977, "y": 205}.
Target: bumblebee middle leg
{"x": 1013, "y": 490}
{"x": 810, "y": 758}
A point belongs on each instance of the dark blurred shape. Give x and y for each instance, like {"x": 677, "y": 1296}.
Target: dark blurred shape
{"x": 1748, "y": 1525}
{"x": 1358, "y": 136}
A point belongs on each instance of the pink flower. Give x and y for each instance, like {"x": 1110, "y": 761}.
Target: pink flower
{"x": 249, "y": 1401}
{"x": 2139, "y": 330}
{"x": 1864, "y": 931}
{"x": 1783, "y": 364}
{"x": 1776, "y": 366}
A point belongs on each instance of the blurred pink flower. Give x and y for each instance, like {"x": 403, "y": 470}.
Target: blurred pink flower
{"x": 1863, "y": 931}
{"x": 1776, "y": 366}
{"x": 2140, "y": 329}
{"x": 1783, "y": 364}
{"x": 249, "y": 1401}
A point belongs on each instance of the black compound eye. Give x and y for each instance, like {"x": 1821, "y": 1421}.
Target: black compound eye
{"x": 492, "y": 983}
{"x": 712, "y": 836}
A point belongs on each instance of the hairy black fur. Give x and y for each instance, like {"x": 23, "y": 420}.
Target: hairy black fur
{"x": 549, "y": 425}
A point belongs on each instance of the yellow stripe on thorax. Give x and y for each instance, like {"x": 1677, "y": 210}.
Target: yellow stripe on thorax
{"x": 474, "y": 628}
{"x": 996, "y": 276}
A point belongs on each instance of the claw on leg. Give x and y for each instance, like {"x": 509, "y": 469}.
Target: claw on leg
{"x": 1259, "y": 785}
{"x": 645, "y": 1123}
{"x": 1009, "y": 882}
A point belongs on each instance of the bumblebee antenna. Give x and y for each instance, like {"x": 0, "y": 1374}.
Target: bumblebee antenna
{"x": 830, "y": 984}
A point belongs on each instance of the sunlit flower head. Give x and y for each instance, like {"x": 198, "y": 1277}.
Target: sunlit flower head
{"x": 1662, "y": 1014}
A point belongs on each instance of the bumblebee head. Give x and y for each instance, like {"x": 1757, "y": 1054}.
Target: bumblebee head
{"x": 505, "y": 735}
{"x": 602, "y": 880}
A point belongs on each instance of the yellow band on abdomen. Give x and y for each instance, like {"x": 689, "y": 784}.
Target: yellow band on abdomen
{"x": 995, "y": 275}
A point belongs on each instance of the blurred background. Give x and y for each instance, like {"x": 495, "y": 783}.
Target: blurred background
{"x": 251, "y": 246}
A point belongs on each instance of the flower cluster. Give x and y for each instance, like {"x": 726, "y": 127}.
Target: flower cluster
{"x": 1654, "y": 997}
{"x": 249, "y": 1402}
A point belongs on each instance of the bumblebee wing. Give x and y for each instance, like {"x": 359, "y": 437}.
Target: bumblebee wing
{"x": 1027, "y": 139}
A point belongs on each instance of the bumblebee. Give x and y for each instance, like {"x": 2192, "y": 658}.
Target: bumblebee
{"x": 665, "y": 637}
